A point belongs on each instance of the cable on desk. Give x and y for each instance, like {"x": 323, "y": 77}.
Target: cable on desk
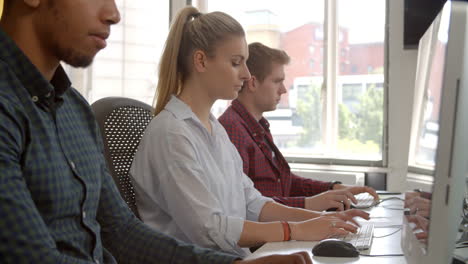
{"x": 392, "y": 198}
{"x": 385, "y": 255}
{"x": 381, "y": 201}
{"x": 394, "y": 232}
{"x": 392, "y": 208}
{"x": 382, "y": 255}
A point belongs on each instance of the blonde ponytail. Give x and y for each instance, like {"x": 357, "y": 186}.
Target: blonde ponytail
{"x": 190, "y": 31}
{"x": 169, "y": 79}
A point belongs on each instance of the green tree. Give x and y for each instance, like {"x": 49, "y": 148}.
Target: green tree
{"x": 309, "y": 111}
{"x": 370, "y": 116}
{"x": 347, "y": 123}
{"x": 361, "y": 132}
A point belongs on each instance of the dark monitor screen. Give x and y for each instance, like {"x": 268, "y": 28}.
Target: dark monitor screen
{"x": 418, "y": 16}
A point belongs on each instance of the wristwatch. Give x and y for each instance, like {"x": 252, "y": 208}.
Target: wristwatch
{"x": 333, "y": 184}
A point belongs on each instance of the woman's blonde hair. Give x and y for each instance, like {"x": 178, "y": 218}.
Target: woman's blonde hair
{"x": 190, "y": 31}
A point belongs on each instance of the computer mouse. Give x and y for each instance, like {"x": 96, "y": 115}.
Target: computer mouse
{"x": 334, "y": 248}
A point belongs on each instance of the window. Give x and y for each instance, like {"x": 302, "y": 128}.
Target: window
{"x": 312, "y": 63}
{"x": 312, "y": 49}
{"x": 343, "y": 52}
{"x": 319, "y": 33}
{"x": 360, "y": 114}
{"x": 128, "y": 65}
{"x": 342, "y": 67}
{"x": 339, "y": 119}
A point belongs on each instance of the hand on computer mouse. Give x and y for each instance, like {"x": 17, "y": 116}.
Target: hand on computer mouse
{"x": 320, "y": 228}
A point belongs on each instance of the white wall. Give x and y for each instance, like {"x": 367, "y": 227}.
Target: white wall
{"x": 401, "y": 75}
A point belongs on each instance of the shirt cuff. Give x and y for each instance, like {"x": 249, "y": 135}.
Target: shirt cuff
{"x": 254, "y": 208}
{"x": 234, "y": 229}
{"x": 232, "y": 234}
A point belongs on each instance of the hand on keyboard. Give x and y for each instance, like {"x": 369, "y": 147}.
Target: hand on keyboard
{"x": 349, "y": 215}
{"x": 362, "y": 239}
{"x": 339, "y": 199}
{"x": 320, "y": 228}
{"x": 357, "y": 190}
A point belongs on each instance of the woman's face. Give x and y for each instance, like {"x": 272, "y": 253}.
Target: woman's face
{"x": 227, "y": 70}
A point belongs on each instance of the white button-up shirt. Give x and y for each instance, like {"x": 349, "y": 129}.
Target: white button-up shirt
{"x": 190, "y": 183}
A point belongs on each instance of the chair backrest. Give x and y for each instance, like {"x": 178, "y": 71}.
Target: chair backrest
{"x": 122, "y": 122}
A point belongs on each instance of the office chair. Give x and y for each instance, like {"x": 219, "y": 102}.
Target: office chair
{"x": 122, "y": 122}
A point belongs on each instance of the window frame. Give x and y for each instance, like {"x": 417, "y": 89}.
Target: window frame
{"x": 330, "y": 104}
{"x": 330, "y": 120}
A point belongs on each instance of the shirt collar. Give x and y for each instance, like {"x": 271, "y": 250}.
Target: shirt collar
{"x": 44, "y": 93}
{"x": 179, "y": 109}
{"x": 182, "y": 111}
{"x": 256, "y": 127}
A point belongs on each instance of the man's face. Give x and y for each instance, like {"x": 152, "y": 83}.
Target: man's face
{"x": 73, "y": 31}
{"x": 269, "y": 91}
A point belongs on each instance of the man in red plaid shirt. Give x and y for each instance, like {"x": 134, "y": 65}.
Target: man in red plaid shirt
{"x": 263, "y": 162}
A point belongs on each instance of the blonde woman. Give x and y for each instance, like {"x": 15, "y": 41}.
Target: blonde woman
{"x": 188, "y": 176}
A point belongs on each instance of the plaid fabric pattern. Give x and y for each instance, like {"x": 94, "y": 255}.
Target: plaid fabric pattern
{"x": 58, "y": 203}
{"x": 271, "y": 175}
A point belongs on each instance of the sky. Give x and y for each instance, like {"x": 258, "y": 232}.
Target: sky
{"x": 364, "y": 18}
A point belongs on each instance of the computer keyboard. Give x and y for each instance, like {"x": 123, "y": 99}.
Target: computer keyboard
{"x": 364, "y": 200}
{"x": 362, "y": 240}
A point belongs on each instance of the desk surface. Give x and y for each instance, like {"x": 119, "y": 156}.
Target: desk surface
{"x": 387, "y": 218}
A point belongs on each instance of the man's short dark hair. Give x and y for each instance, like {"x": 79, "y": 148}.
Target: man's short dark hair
{"x": 261, "y": 59}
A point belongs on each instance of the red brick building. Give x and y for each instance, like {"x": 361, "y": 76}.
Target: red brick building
{"x": 305, "y": 46}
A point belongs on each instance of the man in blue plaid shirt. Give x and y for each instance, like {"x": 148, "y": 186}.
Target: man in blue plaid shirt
{"x": 58, "y": 203}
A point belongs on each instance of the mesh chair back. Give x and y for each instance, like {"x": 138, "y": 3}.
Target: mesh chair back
{"x": 122, "y": 122}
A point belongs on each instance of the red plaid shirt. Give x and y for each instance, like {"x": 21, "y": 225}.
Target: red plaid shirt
{"x": 270, "y": 174}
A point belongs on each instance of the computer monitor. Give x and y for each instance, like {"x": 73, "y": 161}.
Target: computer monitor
{"x": 439, "y": 145}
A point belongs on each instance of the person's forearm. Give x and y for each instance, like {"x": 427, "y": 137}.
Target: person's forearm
{"x": 272, "y": 211}
{"x": 298, "y": 201}
{"x": 255, "y": 233}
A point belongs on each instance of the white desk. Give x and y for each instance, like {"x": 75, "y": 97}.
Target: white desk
{"x": 386, "y": 221}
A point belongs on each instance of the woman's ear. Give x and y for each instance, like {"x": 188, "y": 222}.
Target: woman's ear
{"x": 199, "y": 60}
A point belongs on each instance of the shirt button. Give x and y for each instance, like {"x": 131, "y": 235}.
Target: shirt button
{"x": 254, "y": 134}
{"x": 35, "y": 98}
{"x": 72, "y": 164}
{"x": 279, "y": 180}
{"x": 84, "y": 214}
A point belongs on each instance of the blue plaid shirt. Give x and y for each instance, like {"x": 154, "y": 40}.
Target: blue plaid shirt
{"x": 58, "y": 203}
